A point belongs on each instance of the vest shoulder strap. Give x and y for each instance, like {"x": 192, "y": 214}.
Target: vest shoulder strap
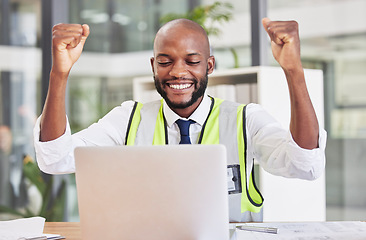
{"x": 133, "y": 124}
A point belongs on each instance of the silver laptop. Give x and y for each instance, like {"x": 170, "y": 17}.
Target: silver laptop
{"x": 153, "y": 192}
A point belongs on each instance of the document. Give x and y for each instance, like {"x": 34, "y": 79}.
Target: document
{"x": 350, "y": 230}
{"x": 22, "y": 228}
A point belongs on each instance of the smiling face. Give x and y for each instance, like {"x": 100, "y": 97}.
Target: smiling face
{"x": 181, "y": 64}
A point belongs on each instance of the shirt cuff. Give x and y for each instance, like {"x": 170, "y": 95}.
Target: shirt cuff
{"x": 309, "y": 160}
{"x": 54, "y": 154}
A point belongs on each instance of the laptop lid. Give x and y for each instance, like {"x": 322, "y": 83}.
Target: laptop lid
{"x": 153, "y": 192}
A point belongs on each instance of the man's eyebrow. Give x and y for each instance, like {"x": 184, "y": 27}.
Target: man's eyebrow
{"x": 162, "y": 55}
{"x": 167, "y": 55}
{"x": 194, "y": 54}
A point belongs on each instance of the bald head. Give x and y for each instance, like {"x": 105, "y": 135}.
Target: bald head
{"x": 182, "y": 28}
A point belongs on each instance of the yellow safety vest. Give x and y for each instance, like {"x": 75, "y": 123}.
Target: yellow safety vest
{"x": 219, "y": 128}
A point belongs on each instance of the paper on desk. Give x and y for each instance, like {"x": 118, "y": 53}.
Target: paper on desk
{"x": 23, "y": 227}
{"x": 350, "y": 230}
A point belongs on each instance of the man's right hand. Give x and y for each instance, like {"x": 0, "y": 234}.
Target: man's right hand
{"x": 67, "y": 44}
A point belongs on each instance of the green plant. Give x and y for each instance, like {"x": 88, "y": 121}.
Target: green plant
{"x": 52, "y": 206}
{"x": 207, "y": 16}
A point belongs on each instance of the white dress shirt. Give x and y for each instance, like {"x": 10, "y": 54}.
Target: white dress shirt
{"x": 267, "y": 142}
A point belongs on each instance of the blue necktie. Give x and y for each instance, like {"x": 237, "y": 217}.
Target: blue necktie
{"x": 184, "y": 130}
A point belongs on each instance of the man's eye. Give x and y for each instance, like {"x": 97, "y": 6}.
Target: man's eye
{"x": 164, "y": 63}
{"x": 193, "y": 62}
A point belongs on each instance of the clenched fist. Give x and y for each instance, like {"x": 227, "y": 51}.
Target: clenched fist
{"x": 67, "y": 44}
{"x": 285, "y": 42}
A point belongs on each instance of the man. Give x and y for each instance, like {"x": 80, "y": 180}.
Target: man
{"x": 12, "y": 185}
{"x": 181, "y": 65}
{"x": 5, "y": 162}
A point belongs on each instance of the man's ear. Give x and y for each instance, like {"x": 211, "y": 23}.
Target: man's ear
{"x": 152, "y": 59}
{"x": 210, "y": 64}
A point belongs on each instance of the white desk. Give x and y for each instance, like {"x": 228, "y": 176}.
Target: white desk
{"x": 353, "y": 230}
{"x": 343, "y": 230}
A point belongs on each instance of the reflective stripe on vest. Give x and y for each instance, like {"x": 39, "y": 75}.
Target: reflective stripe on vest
{"x": 217, "y": 129}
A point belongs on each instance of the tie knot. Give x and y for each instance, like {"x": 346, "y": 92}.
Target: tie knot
{"x": 184, "y": 130}
{"x": 184, "y": 126}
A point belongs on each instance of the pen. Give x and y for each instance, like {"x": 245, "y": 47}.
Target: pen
{"x": 259, "y": 229}
{"x": 34, "y": 238}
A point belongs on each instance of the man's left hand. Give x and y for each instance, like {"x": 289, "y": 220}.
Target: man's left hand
{"x": 285, "y": 43}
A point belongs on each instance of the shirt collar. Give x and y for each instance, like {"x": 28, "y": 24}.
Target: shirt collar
{"x": 199, "y": 115}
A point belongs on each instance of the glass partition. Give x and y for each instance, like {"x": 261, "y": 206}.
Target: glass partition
{"x": 122, "y": 25}
{"x": 332, "y": 41}
{"x": 19, "y": 89}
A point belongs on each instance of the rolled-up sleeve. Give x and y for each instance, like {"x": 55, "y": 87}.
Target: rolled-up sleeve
{"x": 54, "y": 156}
{"x": 57, "y": 156}
{"x": 277, "y": 152}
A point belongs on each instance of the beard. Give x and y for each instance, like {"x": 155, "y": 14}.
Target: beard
{"x": 200, "y": 87}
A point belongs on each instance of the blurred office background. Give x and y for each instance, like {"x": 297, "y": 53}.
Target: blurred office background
{"x": 333, "y": 37}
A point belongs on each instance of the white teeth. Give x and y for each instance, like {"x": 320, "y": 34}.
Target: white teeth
{"x": 180, "y": 86}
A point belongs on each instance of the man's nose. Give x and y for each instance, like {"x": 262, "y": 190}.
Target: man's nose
{"x": 178, "y": 70}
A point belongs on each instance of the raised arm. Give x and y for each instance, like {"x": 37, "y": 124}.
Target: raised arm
{"x": 285, "y": 45}
{"x": 67, "y": 44}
